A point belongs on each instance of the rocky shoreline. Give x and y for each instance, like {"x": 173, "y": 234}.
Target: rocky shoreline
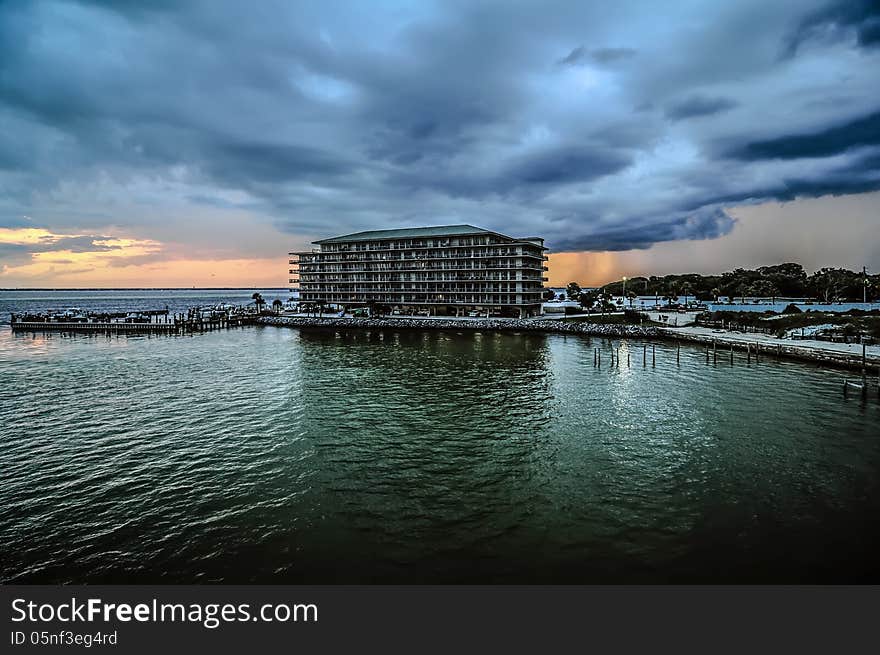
{"x": 501, "y": 325}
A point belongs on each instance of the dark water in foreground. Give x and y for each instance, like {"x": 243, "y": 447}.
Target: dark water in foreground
{"x": 274, "y": 455}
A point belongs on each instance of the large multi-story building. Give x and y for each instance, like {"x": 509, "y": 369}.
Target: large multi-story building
{"x": 451, "y": 270}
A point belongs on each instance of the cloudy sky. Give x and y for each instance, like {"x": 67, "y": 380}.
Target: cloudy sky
{"x": 180, "y": 144}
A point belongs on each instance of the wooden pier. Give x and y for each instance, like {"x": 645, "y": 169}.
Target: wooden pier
{"x": 159, "y": 322}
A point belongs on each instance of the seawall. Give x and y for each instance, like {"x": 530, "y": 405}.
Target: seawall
{"x": 500, "y": 325}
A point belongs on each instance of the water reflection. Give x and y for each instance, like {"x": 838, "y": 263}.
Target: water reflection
{"x": 265, "y": 454}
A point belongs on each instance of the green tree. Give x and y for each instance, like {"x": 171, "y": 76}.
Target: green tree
{"x": 573, "y": 290}
{"x": 686, "y": 290}
{"x": 829, "y": 283}
{"x": 763, "y": 288}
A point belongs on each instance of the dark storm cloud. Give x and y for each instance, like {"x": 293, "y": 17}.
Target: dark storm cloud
{"x": 271, "y": 162}
{"x": 863, "y": 131}
{"x": 700, "y": 224}
{"x": 565, "y": 165}
{"x": 580, "y": 55}
{"x": 326, "y": 120}
{"x": 698, "y": 106}
{"x": 838, "y": 20}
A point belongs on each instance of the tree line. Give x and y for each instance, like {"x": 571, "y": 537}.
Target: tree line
{"x": 788, "y": 280}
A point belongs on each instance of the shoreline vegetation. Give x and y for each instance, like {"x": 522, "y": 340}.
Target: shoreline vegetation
{"x": 848, "y": 356}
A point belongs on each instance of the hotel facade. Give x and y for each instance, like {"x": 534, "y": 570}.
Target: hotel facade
{"x": 451, "y": 270}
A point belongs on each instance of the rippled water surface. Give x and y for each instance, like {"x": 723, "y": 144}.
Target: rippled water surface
{"x": 277, "y": 455}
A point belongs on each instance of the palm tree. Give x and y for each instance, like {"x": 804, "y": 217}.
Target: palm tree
{"x": 258, "y": 301}
{"x": 587, "y": 300}
{"x": 277, "y": 305}
{"x": 686, "y": 289}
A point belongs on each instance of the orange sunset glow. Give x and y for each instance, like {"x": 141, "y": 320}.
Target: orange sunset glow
{"x": 125, "y": 262}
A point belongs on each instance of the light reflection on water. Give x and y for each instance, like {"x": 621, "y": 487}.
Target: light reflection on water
{"x": 266, "y": 454}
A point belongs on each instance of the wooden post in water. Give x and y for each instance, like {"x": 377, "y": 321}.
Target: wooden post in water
{"x": 757, "y": 349}
{"x": 627, "y": 358}
{"x": 618, "y": 356}
{"x": 748, "y": 353}
{"x": 644, "y": 355}
{"x": 594, "y": 356}
{"x": 653, "y": 356}
{"x": 678, "y": 354}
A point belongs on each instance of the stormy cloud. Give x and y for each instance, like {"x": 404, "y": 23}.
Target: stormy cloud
{"x": 600, "y": 127}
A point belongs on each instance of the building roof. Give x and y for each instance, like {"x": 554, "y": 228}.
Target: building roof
{"x": 408, "y": 232}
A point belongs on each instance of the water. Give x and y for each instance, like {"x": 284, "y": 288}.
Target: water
{"x": 275, "y": 455}
{"x": 128, "y": 300}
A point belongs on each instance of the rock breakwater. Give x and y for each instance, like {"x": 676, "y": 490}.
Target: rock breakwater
{"x": 503, "y": 325}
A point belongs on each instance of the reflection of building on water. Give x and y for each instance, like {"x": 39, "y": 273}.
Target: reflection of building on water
{"x": 450, "y": 270}
{"x": 432, "y": 348}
